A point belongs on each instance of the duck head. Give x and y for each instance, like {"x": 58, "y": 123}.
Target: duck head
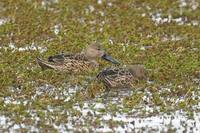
{"x": 138, "y": 71}
{"x": 94, "y": 51}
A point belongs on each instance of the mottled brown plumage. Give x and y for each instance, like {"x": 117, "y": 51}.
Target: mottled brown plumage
{"x": 76, "y": 63}
{"x": 121, "y": 77}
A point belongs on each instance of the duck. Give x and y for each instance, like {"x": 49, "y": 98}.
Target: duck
{"x": 78, "y": 62}
{"x": 121, "y": 77}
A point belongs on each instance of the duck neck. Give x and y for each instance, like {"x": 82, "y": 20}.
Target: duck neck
{"x": 94, "y": 63}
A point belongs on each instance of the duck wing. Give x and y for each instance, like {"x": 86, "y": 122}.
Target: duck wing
{"x": 115, "y": 77}
{"x": 61, "y": 58}
{"x": 108, "y": 72}
{"x": 56, "y": 58}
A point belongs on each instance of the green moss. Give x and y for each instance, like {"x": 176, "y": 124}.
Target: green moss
{"x": 134, "y": 100}
{"x": 171, "y": 64}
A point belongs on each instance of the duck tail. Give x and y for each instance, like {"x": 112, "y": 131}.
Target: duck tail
{"x": 43, "y": 64}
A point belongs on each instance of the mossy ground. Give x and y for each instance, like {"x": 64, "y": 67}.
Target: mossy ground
{"x": 170, "y": 51}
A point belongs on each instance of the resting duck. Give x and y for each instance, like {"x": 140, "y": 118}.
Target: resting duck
{"x": 76, "y": 63}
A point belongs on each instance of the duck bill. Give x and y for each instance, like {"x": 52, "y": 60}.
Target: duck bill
{"x": 110, "y": 59}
